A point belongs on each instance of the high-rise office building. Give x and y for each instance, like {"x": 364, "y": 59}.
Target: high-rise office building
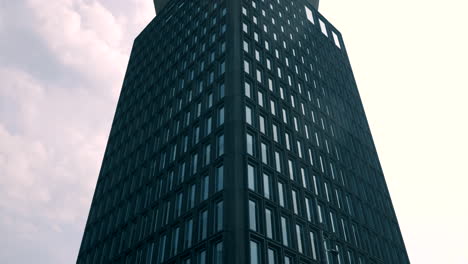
{"x": 240, "y": 137}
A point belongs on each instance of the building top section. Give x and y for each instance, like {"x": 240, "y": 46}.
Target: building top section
{"x": 315, "y": 3}
{"x": 159, "y": 4}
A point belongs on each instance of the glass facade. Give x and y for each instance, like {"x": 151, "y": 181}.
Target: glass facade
{"x": 160, "y": 192}
{"x": 316, "y": 128}
{"x": 240, "y": 137}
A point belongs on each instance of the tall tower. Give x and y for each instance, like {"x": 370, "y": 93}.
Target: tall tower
{"x": 240, "y": 137}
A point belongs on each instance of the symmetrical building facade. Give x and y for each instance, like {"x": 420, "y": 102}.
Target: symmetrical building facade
{"x": 240, "y": 137}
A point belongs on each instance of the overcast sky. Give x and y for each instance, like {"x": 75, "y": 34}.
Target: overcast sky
{"x": 62, "y": 63}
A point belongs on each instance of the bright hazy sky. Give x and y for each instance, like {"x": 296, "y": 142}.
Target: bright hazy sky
{"x": 62, "y": 64}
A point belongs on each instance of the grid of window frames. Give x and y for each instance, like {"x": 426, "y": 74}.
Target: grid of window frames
{"x": 313, "y": 176}
{"x": 159, "y": 197}
{"x": 314, "y": 180}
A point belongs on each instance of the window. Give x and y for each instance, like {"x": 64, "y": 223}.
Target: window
{"x": 210, "y": 100}
{"x": 277, "y": 161}
{"x": 194, "y": 163}
{"x": 246, "y": 46}
{"x": 254, "y": 256}
{"x": 223, "y": 45}
{"x": 291, "y": 169}
{"x": 304, "y": 183}
{"x": 162, "y": 249}
{"x": 246, "y": 67}
{"x": 323, "y": 27}
{"x": 332, "y": 221}
{"x": 219, "y": 183}
{"x": 281, "y": 194}
{"x": 262, "y": 124}
{"x": 203, "y": 225}
{"x": 260, "y": 98}
{"x": 211, "y": 77}
{"x": 259, "y": 76}
{"x": 222, "y": 68}
{"x": 248, "y": 115}
{"x": 338, "y": 198}
{"x": 285, "y": 116}
{"x": 272, "y": 107}
{"x": 332, "y": 169}
{"x": 251, "y": 177}
{"x": 182, "y": 172}
{"x": 336, "y": 39}
{"x": 221, "y": 116}
{"x": 205, "y": 183}
{"x": 208, "y": 125}
{"x": 192, "y": 195}
{"x": 299, "y": 238}
{"x": 196, "y": 135}
{"x": 175, "y": 241}
{"x": 288, "y": 142}
{"x": 271, "y": 256}
{"x": 343, "y": 229}
{"x": 275, "y": 133}
{"x": 218, "y": 253}
{"x": 266, "y": 186}
{"x": 207, "y": 154}
{"x": 221, "y": 91}
{"x": 299, "y": 149}
{"x": 202, "y": 257}
{"x": 355, "y": 238}
{"x": 350, "y": 257}
{"x": 327, "y": 191}
{"x": 313, "y": 243}
{"x": 219, "y": 216}
{"x": 308, "y": 204}
{"x": 248, "y": 91}
{"x": 220, "y": 145}
{"x": 315, "y": 185}
{"x": 269, "y": 223}
{"x": 250, "y": 150}
{"x": 264, "y": 153}
{"x": 309, "y": 15}
{"x": 339, "y": 256}
{"x": 188, "y": 234}
{"x": 349, "y": 205}
{"x": 284, "y": 231}
{"x": 294, "y": 200}
{"x": 245, "y": 28}
{"x": 320, "y": 213}
{"x": 252, "y": 215}
{"x": 198, "y": 109}
{"x": 179, "y": 200}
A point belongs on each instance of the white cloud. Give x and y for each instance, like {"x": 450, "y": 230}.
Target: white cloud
{"x": 55, "y": 151}
{"x": 87, "y": 37}
{"x": 53, "y": 130}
